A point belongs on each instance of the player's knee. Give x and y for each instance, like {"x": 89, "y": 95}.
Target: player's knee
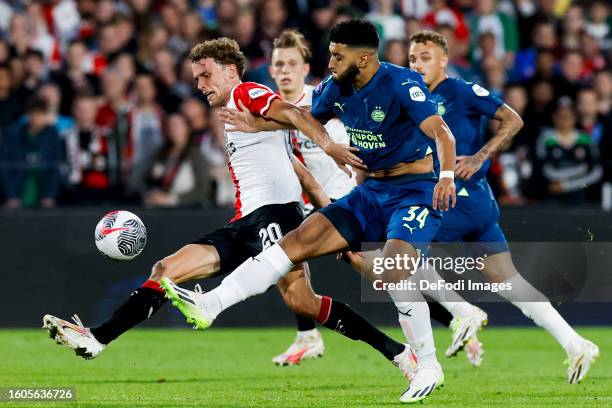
{"x": 157, "y": 271}
{"x": 165, "y": 268}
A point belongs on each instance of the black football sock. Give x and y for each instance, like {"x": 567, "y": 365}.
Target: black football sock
{"x": 304, "y": 323}
{"x": 341, "y": 318}
{"x": 439, "y": 313}
{"x": 142, "y": 304}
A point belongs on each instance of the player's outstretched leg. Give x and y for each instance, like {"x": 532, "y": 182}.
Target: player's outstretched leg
{"x": 581, "y": 352}
{"x": 190, "y": 262}
{"x": 308, "y": 343}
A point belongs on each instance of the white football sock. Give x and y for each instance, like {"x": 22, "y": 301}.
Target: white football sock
{"x": 449, "y": 299}
{"x": 252, "y": 277}
{"x": 416, "y": 324}
{"x": 540, "y": 310}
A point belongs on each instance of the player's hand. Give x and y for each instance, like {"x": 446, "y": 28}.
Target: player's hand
{"x": 444, "y": 196}
{"x": 240, "y": 120}
{"x": 467, "y": 166}
{"x": 344, "y": 154}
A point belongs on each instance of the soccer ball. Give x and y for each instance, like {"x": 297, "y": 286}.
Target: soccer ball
{"x": 120, "y": 235}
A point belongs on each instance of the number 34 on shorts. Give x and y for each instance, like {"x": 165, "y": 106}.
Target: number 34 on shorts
{"x": 418, "y": 214}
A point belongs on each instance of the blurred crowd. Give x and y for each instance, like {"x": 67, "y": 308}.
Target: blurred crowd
{"x": 98, "y": 104}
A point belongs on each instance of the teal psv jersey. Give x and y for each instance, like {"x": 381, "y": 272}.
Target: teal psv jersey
{"x": 382, "y": 118}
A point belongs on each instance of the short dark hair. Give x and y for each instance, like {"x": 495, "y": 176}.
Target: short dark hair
{"x": 224, "y": 51}
{"x": 37, "y": 104}
{"x": 425, "y": 36}
{"x": 294, "y": 39}
{"x": 355, "y": 33}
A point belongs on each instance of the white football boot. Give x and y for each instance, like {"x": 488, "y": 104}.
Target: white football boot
{"x": 580, "y": 359}
{"x": 474, "y": 351}
{"x": 76, "y": 336}
{"x": 188, "y": 302}
{"x": 465, "y": 328}
{"x": 425, "y": 380}
{"x": 307, "y": 345}
{"x": 407, "y": 362}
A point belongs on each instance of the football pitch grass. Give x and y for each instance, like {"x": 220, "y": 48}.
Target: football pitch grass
{"x": 233, "y": 368}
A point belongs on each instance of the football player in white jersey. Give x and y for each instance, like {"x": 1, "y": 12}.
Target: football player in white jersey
{"x": 267, "y": 196}
{"x": 289, "y": 68}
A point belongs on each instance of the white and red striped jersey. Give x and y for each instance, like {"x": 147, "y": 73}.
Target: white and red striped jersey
{"x": 334, "y": 181}
{"x": 260, "y": 163}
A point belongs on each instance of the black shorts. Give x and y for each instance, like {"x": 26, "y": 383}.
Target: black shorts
{"x": 248, "y": 236}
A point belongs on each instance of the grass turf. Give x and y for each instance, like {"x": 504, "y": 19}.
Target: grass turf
{"x": 232, "y": 368}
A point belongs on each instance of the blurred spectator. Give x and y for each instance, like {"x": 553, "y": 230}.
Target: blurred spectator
{"x": 396, "y": 52}
{"x": 573, "y": 27}
{"x": 412, "y": 26}
{"x": 196, "y": 114}
{"x": 390, "y": 24}
{"x": 458, "y": 56}
{"x": 599, "y": 24}
{"x": 486, "y": 19}
{"x": 589, "y": 119}
{"x": 593, "y": 57}
{"x": 88, "y": 155}
{"x": 19, "y": 38}
{"x": 192, "y": 28}
{"x": 34, "y": 70}
{"x": 539, "y": 109}
{"x": 145, "y": 121}
{"x": 31, "y": 159}
{"x": 244, "y": 33}
{"x": 568, "y": 158}
{"x": 516, "y": 97}
{"x": 226, "y": 12}
{"x": 177, "y": 175}
{"x": 170, "y": 91}
{"x": 126, "y": 67}
{"x": 544, "y": 39}
{"x": 149, "y": 42}
{"x": 441, "y": 14}
{"x": 74, "y": 78}
{"x": 571, "y": 76}
{"x": 11, "y": 100}
{"x": 114, "y": 99}
{"x": 512, "y": 169}
{"x": 51, "y": 93}
{"x": 603, "y": 87}
{"x": 272, "y": 15}
{"x": 544, "y": 66}
{"x": 171, "y": 17}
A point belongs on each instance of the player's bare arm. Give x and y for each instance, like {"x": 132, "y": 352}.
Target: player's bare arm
{"x": 444, "y": 193}
{"x": 510, "y": 124}
{"x": 244, "y": 121}
{"x": 303, "y": 120}
{"x": 310, "y": 185}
